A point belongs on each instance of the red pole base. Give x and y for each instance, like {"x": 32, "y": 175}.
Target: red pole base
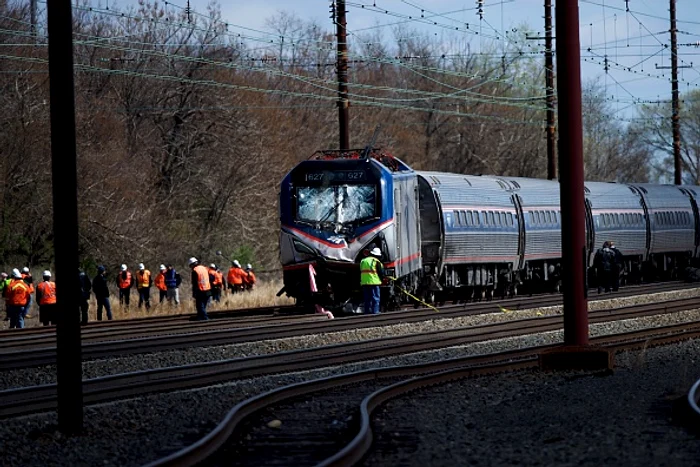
{"x": 576, "y": 357}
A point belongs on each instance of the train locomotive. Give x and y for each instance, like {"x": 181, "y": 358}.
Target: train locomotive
{"x": 446, "y": 236}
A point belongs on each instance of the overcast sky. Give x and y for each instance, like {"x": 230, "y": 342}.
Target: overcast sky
{"x": 602, "y": 22}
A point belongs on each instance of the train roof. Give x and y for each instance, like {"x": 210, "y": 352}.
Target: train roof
{"x": 379, "y": 155}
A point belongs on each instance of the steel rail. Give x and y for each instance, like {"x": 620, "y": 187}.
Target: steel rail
{"x": 124, "y": 326}
{"x": 435, "y": 372}
{"x": 231, "y": 333}
{"x": 25, "y": 400}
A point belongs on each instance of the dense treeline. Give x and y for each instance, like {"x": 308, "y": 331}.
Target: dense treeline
{"x": 185, "y": 128}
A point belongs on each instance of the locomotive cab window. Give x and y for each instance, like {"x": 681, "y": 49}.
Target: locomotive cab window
{"x": 337, "y": 204}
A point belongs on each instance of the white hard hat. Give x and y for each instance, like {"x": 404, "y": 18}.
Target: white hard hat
{"x": 236, "y": 263}
{"x": 376, "y": 252}
{"x": 3, "y": 275}
{"x": 212, "y": 265}
{"x": 192, "y": 261}
{"x": 162, "y": 267}
{"x": 141, "y": 266}
{"x": 249, "y": 266}
{"x": 25, "y": 269}
{"x": 16, "y": 274}
{"x": 123, "y": 267}
{"x": 46, "y": 273}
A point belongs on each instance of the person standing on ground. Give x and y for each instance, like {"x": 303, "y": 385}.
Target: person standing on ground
{"x": 46, "y": 298}
{"x": 618, "y": 267}
{"x": 143, "y": 285}
{"x": 371, "y": 273}
{"x": 603, "y": 263}
{"x": 16, "y": 296}
{"x": 4, "y": 282}
{"x": 160, "y": 284}
{"x": 172, "y": 282}
{"x": 217, "y": 282}
{"x": 124, "y": 282}
{"x": 250, "y": 277}
{"x": 29, "y": 280}
{"x": 235, "y": 277}
{"x": 201, "y": 288}
{"x": 85, "y": 288}
{"x": 99, "y": 286}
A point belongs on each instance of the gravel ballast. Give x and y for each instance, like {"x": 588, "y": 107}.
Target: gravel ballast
{"x": 564, "y": 419}
{"x": 98, "y": 368}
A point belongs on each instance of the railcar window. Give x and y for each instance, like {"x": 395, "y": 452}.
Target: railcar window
{"x": 510, "y": 219}
{"x": 504, "y": 220}
{"x": 486, "y": 219}
{"x": 491, "y": 221}
{"x": 532, "y": 217}
{"x": 548, "y": 215}
{"x": 617, "y": 219}
{"x": 477, "y": 219}
{"x": 468, "y": 216}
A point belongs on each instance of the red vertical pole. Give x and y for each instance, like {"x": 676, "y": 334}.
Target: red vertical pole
{"x": 571, "y": 173}
{"x": 675, "y": 119}
{"x": 65, "y": 215}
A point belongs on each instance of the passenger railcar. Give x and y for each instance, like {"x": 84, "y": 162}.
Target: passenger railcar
{"x": 448, "y": 236}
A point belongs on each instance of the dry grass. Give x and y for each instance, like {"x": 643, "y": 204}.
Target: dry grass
{"x": 264, "y": 294}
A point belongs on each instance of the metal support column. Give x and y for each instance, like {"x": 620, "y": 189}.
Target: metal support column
{"x": 571, "y": 173}
{"x": 65, "y": 215}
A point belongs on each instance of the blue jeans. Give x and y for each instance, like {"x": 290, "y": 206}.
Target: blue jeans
{"x": 103, "y": 302}
{"x": 371, "y": 296}
{"x": 25, "y": 309}
{"x": 201, "y": 304}
{"x": 145, "y": 297}
{"x": 16, "y": 313}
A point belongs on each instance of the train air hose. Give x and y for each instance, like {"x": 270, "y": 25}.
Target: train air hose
{"x": 409, "y": 294}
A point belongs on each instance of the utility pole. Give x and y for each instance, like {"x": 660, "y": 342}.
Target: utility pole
{"x": 65, "y": 215}
{"x": 549, "y": 83}
{"x": 549, "y": 91}
{"x": 342, "y": 68}
{"x": 675, "y": 123}
{"x": 32, "y": 17}
{"x": 573, "y": 245}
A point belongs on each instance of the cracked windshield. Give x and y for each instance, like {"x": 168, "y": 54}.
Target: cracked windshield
{"x": 336, "y": 204}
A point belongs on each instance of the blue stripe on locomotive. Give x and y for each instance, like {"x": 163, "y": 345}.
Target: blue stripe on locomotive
{"x": 381, "y": 173}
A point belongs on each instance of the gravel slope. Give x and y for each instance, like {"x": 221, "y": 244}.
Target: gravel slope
{"x": 534, "y": 419}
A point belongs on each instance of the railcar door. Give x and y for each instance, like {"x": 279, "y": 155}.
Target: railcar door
{"x": 590, "y": 233}
{"x": 694, "y": 204}
{"x": 520, "y": 217}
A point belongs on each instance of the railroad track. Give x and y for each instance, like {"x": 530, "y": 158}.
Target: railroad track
{"x": 20, "y": 351}
{"x": 39, "y": 398}
{"x": 242, "y": 439}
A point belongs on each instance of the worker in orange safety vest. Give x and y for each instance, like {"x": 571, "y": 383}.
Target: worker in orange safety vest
{"x": 16, "y": 298}
{"x": 249, "y": 279}
{"x": 143, "y": 285}
{"x": 201, "y": 288}
{"x": 124, "y": 283}
{"x": 160, "y": 283}
{"x": 235, "y": 277}
{"x": 46, "y": 298}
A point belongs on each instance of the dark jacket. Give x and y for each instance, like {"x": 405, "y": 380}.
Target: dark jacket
{"x": 85, "y": 286}
{"x": 99, "y": 286}
{"x": 172, "y": 279}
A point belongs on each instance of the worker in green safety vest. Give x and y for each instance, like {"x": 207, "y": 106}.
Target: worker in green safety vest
{"x": 371, "y": 274}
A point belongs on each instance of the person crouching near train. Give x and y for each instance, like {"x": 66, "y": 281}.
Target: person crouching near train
{"x": 16, "y": 297}
{"x": 46, "y": 298}
{"x": 371, "y": 274}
